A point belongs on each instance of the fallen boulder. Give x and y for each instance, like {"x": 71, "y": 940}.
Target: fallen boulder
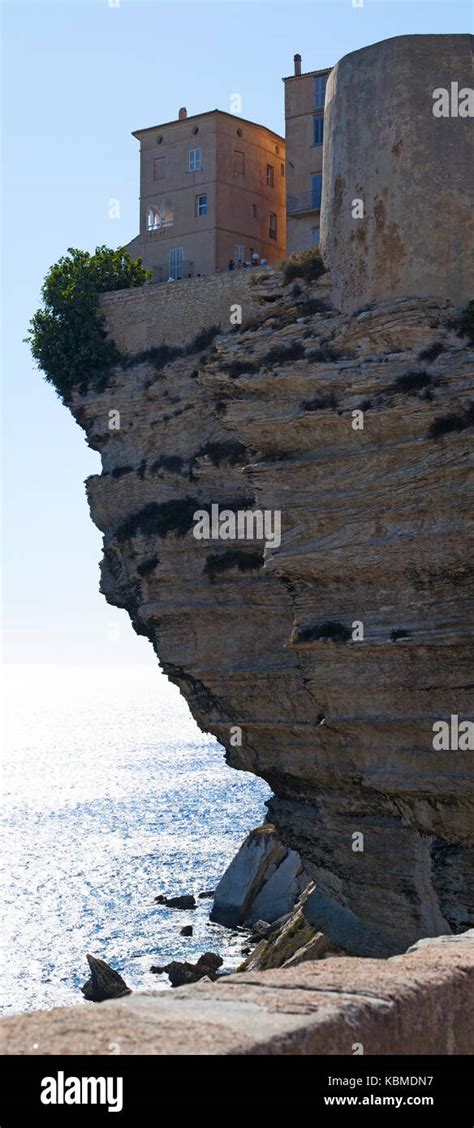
{"x": 262, "y": 883}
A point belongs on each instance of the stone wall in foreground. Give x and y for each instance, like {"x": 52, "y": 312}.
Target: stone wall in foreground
{"x": 417, "y": 1003}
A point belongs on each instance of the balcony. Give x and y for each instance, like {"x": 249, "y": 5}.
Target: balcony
{"x": 162, "y": 229}
{"x": 303, "y": 202}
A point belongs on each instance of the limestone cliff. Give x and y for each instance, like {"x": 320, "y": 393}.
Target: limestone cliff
{"x": 375, "y": 527}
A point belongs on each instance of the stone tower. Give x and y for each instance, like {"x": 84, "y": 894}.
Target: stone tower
{"x": 397, "y": 208}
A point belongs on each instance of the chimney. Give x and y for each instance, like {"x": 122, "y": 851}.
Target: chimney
{"x": 183, "y": 113}
{"x": 297, "y": 64}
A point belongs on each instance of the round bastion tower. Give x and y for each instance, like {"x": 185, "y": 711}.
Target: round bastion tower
{"x": 397, "y": 207}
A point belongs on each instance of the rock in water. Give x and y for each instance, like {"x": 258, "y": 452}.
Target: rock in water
{"x": 182, "y": 972}
{"x": 104, "y": 982}
{"x": 185, "y": 901}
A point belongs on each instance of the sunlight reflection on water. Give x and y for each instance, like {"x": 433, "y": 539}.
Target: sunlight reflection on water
{"x": 111, "y": 796}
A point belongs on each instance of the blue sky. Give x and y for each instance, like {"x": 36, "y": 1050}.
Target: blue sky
{"x": 78, "y": 78}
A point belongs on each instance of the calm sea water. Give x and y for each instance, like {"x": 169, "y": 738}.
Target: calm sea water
{"x": 111, "y": 796}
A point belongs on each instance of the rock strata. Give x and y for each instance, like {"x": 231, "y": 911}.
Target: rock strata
{"x": 334, "y": 652}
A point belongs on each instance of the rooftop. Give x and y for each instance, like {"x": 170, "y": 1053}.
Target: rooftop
{"x": 208, "y": 113}
{"x": 306, "y": 74}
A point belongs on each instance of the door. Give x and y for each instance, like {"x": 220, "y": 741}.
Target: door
{"x": 176, "y": 263}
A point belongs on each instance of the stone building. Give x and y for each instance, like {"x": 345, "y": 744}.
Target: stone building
{"x": 304, "y": 127}
{"x": 212, "y": 189}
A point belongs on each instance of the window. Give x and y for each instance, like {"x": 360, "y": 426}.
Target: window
{"x": 270, "y": 176}
{"x": 194, "y": 160}
{"x": 238, "y": 164}
{"x": 315, "y": 235}
{"x": 159, "y": 216}
{"x": 158, "y": 168}
{"x": 316, "y": 190}
{"x": 239, "y": 252}
{"x": 254, "y": 211}
{"x": 272, "y": 226}
{"x": 282, "y": 169}
{"x": 320, "y": 91}
{"x": 318, "y": 130}
{"x": 153, "y": 219}
{"x": 201, "y": 205}
{"x": 176, "y": 263}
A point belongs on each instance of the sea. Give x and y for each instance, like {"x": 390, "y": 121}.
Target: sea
{"x": 111, "y": 796}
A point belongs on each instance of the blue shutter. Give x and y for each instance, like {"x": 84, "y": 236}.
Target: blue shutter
{"x": 316, "y": 189}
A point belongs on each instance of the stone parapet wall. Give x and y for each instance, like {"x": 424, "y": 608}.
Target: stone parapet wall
{"x": 174, "y": 312}
{"x": 416, "y": 1003}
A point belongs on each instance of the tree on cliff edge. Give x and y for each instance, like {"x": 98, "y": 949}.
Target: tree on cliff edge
{"x": 67, "y": 336}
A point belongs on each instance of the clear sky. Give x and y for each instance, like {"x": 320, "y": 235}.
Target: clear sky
{"x": 78, "y": 78}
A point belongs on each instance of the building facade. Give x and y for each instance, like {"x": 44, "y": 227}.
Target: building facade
{"x": 304, "y": 127}
{"x": 212, "y": 190}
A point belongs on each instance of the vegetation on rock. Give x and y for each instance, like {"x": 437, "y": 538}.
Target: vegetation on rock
{"x": 304, "y": 264}
{"x": 67, "y": 336}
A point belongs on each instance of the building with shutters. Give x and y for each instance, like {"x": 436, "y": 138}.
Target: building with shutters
{"x": 212, "y": 190}
{"x": 304, "y": 129}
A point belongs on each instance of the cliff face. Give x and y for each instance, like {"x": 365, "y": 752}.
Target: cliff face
{"x": 375, "y": 527}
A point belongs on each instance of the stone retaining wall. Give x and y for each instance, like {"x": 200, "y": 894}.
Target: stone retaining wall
{"x": 174, "y": 312}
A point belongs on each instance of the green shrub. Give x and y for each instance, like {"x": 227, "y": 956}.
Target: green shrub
{"x": 466, "y": 323}
{"x": 281, "y": 354}
{"x": 239, "y": 367}
{"x": 320, "y": 403}
{"x": 148, "y": 566}
{"x": 202, "y": 339}
{"x": 317, "y": 356}
{"x": 158, "y": 519}
{"x": 119, "y": 471}
{"x": 232, "y": 558}
{"x": 231, "y": 452}
{"x": 336, "y": 632}
{"x": 171, "y": 462}
{"x": 67, "y": 336}
{"x": 304, "y": 264}
{"x": 455, "y": 421}
{"x": 159, "y": 356}
{"x": 412, "y": 381}
{"x": 432, "y": 351}
{"x": 310, "y": 306}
